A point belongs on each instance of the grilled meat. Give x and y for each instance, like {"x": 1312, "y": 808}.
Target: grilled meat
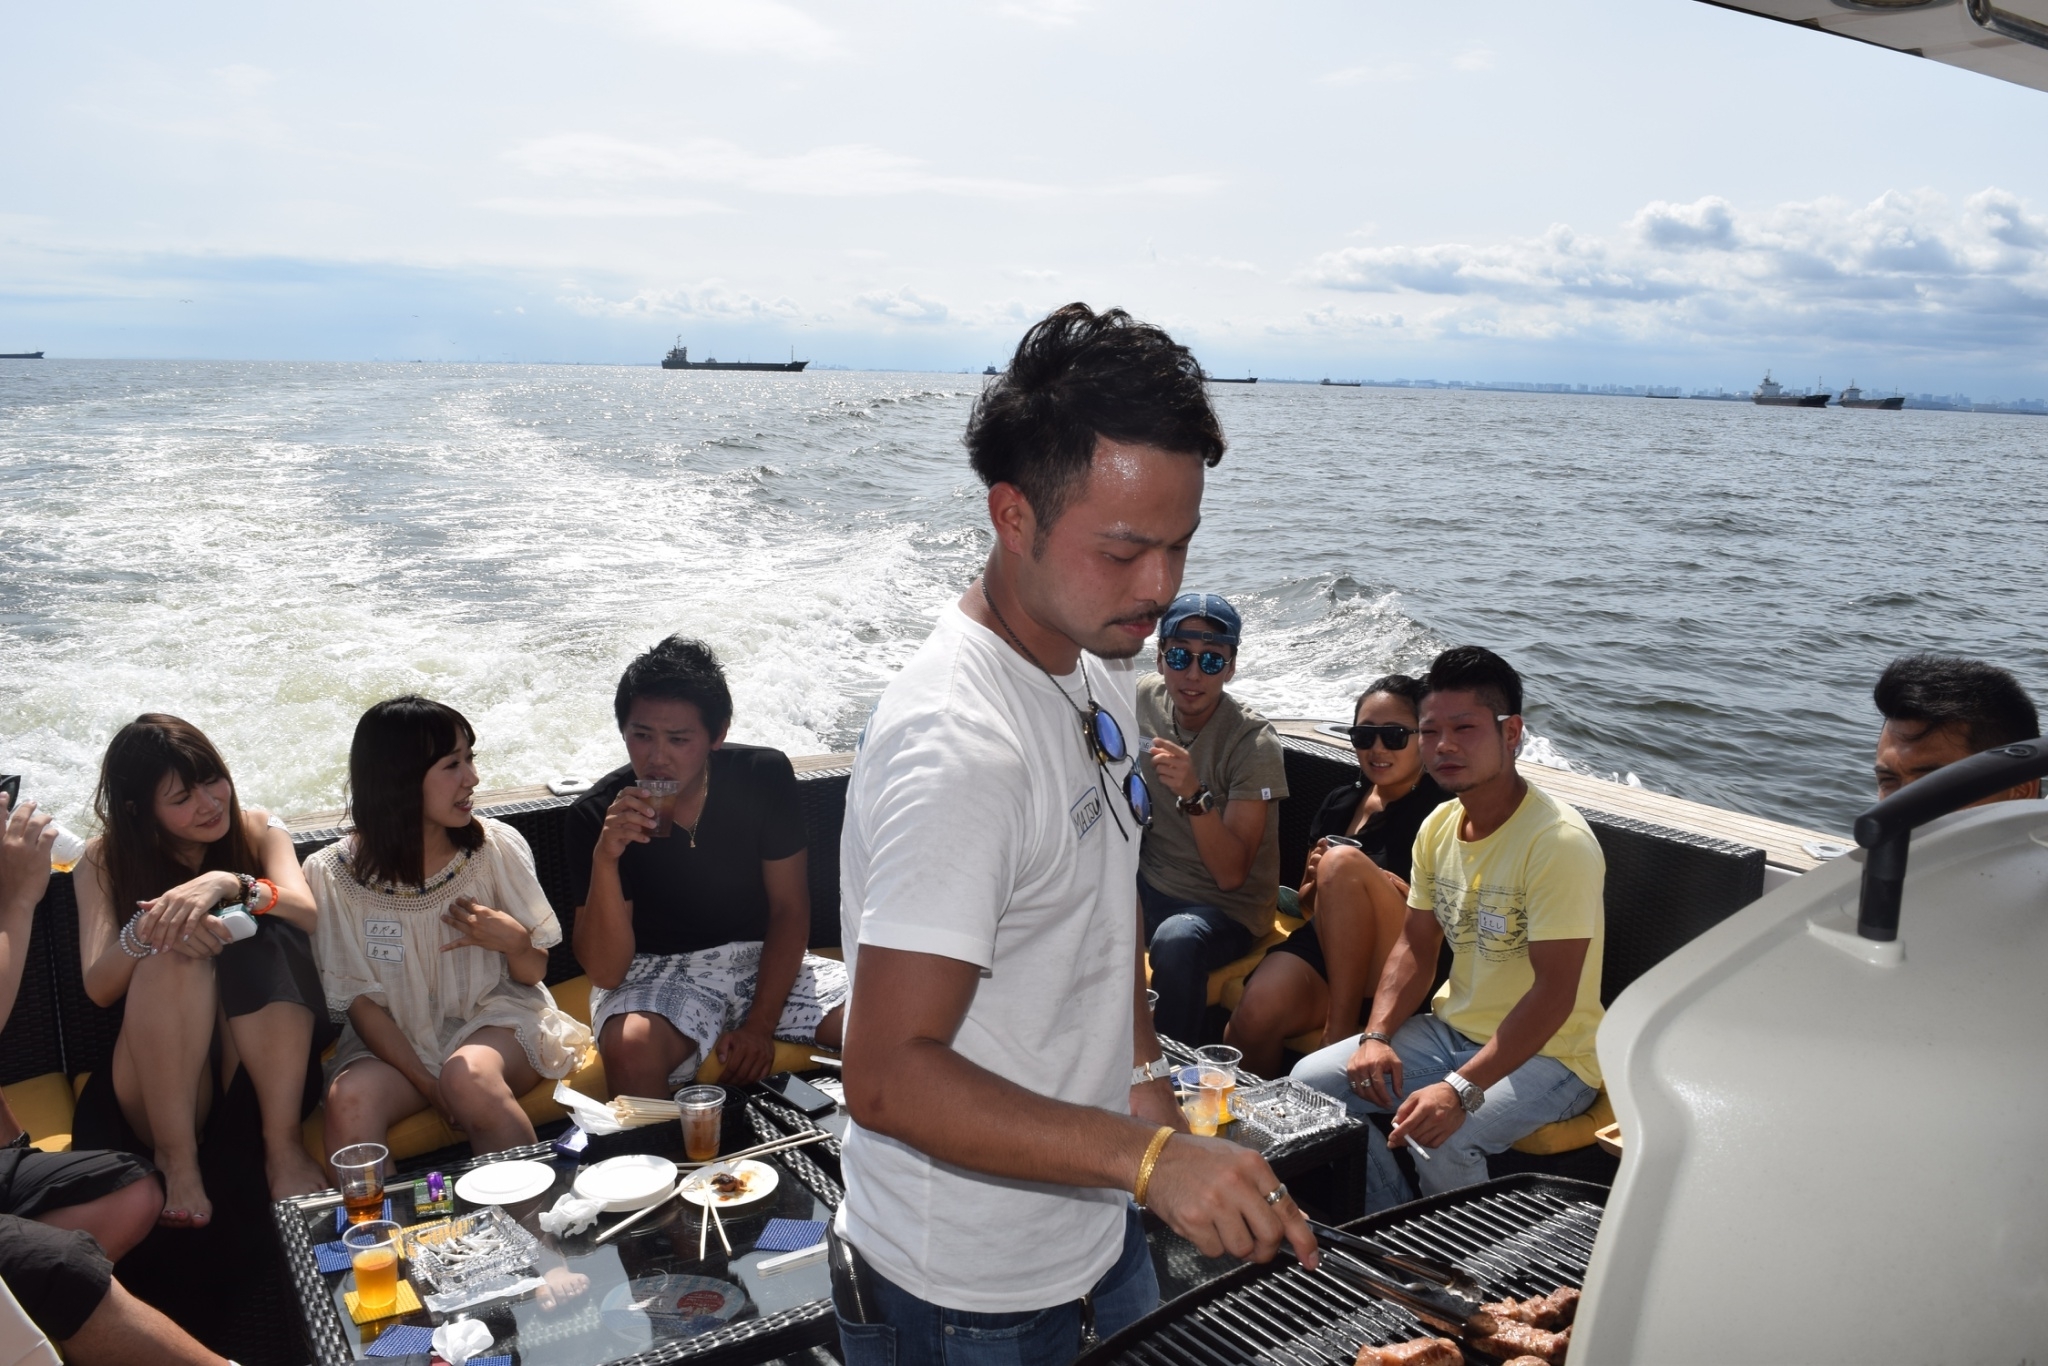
{"x": 1553, "y": 1311}
{"x": 728, "y": 1185}
{"x": 1511, "y": 1338}
{"x": 1420, "y": 1352}
{"x": 1525, "y": 1361}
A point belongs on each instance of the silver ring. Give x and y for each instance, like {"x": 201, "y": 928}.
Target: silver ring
{"x": 1277, "y": 1194}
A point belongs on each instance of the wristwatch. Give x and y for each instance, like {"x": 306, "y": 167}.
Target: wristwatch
{"x": 1201, "y": 804}
{"x": 1151, "y": 1071}
{"x": 1469, "y": 1096}
{"x": 1379, "y": 1037}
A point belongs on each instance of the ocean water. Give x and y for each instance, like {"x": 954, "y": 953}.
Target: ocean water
{"x": 1699, "y": 594}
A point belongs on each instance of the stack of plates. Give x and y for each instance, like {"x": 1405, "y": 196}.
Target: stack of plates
{"x": 627, "y": 1183}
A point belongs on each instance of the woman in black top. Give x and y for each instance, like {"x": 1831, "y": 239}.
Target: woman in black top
{"x": 1323, "y": 976}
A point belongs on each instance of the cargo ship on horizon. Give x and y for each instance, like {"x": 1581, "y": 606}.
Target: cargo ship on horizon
{"x": 1772, "y": 394}
{"x": 1852, "y": 397}
{"x": 678, "y": 358}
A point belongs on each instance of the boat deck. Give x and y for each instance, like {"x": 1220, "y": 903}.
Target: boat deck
{"x": 1782, "y": 843}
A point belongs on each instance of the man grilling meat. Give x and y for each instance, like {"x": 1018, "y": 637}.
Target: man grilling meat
{"x": 1513, "y": 878}
{"x": 1939, "y": 709}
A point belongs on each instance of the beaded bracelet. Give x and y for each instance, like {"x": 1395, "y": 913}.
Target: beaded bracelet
{"x": 131, "y": 941}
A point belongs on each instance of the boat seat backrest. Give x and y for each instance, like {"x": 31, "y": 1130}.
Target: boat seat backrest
{"x": 1664, "y": 887}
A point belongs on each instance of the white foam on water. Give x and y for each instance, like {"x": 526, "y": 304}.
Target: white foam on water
{"x": 267, "y": 550}
{"x": 269, "y": 586}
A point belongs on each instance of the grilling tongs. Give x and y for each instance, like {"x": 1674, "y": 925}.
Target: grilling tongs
{"x": 1441, "y": 1294}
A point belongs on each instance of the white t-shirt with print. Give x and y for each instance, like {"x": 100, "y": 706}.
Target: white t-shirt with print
{"x": 977, "y": 829}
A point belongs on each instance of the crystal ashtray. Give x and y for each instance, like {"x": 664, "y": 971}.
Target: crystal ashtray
{"x": 1286, "y": 1109}
{"x": 469, "y": 1250}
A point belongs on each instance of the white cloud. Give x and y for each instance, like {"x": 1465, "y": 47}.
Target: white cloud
{"x": 708, "y": 300}
{"x": 851, "y": 169}
{"x": 766, "y": 27}
{"x": 841, "y": 171}
{"x": 1045, "y": 13}
{"x": 1908, "y": 268}
{"x": 1369, "y": 75}
{"x": 588, "y": 207}
{"x": 1478, "y": 59}
{"x": 904, "y": 305}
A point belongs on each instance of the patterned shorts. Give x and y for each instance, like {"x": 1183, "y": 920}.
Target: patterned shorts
{"x": 706, "y": 993}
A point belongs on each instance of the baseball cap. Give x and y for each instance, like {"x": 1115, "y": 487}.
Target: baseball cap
{"x": 1214, "y": 607}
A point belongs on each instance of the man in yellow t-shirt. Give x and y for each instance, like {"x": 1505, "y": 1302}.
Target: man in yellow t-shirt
{"x": 1513, "y": 879}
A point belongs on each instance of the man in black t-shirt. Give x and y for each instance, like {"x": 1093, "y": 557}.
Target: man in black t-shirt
{"x": 694, "y": 940}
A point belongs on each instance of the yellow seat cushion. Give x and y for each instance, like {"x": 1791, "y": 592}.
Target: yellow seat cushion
{"x": 1569, "y": 1135}
{"x": 44, "y": 1105}
{"x": 789, "y": 1057}
{"x": 425, "y": 1131}
{"x": 1226, "y": 984}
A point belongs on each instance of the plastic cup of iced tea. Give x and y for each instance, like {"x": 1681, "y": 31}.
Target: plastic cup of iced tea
{"x": 359, "y": 1174}
{"x": 703, "y": 1115}
{"x": 373, "y": 1255}
{"x": 661, "y": 793}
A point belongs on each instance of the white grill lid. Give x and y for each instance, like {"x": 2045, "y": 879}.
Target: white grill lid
{"x": 1837, "y": 1149}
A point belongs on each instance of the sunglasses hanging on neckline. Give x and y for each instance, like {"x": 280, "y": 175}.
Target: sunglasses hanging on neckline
{"x": 1106, "y": 742}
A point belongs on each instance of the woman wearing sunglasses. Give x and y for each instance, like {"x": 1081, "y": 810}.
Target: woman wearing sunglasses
{"x": 1354, "y": 889}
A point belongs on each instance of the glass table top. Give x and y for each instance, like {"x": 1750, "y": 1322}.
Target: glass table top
{"x": 586, "y": 1313}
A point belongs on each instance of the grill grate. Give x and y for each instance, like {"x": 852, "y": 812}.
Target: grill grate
{"x": 1523, "y": 1235}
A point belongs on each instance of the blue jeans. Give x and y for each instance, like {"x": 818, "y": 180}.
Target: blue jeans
{"x": 1188, "y": 941}
{"x": 1541, "y": 1091}
{"x": 915, "y": 1332}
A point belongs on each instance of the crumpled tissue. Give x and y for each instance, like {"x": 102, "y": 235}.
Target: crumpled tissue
{"x": 457, "y": 1342}
{"x": 571, "y": 1214}
{"x": 591, "y": 1116}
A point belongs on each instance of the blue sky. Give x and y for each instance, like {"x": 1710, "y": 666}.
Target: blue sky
{"x": 1656, "y": 191}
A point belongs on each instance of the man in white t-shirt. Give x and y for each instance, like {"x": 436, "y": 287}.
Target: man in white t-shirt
{"x": 1008, "y": 1098}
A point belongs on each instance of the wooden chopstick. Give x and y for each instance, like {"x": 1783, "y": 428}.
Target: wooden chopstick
{"x": 758, "y": 1150}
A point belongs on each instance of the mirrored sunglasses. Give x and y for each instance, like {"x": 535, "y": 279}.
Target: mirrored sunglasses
{"x": 1176, "y": 658}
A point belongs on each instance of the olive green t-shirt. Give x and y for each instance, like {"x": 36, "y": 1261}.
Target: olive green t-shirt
{"x": 1237, "y": 756}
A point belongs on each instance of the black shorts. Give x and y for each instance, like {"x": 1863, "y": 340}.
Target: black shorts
{"x": 59, "y": 1275}
{"x": 1306, "y": 945}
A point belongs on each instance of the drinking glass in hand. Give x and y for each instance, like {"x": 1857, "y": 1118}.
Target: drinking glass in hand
{"x": 703, "y": 1113}
{"x": 373, "y": 1253}
{"x": 661, "y": 792}
{"x": 359, "y": 1173}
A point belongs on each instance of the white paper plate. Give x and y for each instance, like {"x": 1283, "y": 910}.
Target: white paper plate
{"x": 505, "y": 1183}
{"x": 627, "y": 1183}
{"x": 761, "y": 1182}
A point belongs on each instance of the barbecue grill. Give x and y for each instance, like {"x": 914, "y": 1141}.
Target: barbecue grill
{"x": 1519, "y": 1236}
{"x": 1832, "y": 1107}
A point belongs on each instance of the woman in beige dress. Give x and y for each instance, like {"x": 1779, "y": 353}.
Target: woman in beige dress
{"x": 433, "y": 941}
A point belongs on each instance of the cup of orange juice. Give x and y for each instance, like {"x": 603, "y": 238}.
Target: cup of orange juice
{"x": 373, "y": 1254}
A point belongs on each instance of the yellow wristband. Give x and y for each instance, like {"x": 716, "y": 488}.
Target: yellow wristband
{"x": 1151, "y": 1160}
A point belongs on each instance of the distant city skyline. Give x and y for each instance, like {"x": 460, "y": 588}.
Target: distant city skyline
{"x": 1642, "y": 194}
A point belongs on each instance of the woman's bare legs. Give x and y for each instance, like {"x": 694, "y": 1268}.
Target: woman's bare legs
{"x": 1359, "y": 918}
{"x": 160, "y": 1074}
{"x": 274, "y": 1043}
{"x": 1283, "y": 997}
{"x": 365, "y": 1100}
{"x": 482, "y": 1082}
